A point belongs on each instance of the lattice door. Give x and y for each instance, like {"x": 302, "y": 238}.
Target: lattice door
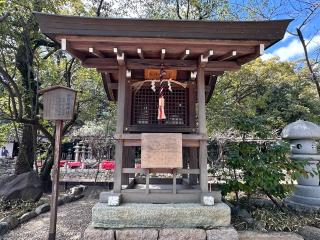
{"x": 145, "y": 107}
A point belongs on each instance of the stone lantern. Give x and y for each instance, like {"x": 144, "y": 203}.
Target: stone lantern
{"x": 302, "y": 136}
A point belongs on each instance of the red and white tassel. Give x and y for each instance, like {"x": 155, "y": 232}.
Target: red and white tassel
{"x": 161, "y": 113}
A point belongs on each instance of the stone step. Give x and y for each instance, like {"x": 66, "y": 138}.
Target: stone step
{"x": 305, "y": 200}
{"x": 307, "y": 191}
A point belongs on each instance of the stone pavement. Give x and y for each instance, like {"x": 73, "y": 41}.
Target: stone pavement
{"x": 73, "y": 219}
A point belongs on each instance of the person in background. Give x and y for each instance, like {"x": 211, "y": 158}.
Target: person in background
{"x": 4, "y": 152}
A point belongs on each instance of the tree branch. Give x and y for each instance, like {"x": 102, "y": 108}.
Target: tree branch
{"x": 44, "y": 43}
{"x": 16, "y": 92}
{"x": 178, "y": 9}
{"x": 4, "y": 17}
{"x": 98, "y": 12}
{"x": 305, "y": 50}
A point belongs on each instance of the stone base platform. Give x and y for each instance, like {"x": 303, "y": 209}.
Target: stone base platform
{"x": 300, "y": 207}
{"x": 137, "y": 215}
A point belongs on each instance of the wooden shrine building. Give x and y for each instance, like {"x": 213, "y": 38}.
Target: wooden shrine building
{"x": 131, "y": 55}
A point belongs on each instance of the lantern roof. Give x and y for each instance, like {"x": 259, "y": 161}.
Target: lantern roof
{"x": 301, "y": 130}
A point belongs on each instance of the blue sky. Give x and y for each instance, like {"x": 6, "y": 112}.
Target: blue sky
{"x": 290, "y": 48}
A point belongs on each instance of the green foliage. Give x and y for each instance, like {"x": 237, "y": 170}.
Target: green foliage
{"x": 260, "y": 167}
{"x": 262, "y": 97}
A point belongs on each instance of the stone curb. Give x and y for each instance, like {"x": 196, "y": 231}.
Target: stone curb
{"x": 223, "y": 233}
{"x": 252, "y": 235}
{"x": 220, "y": 233}
{"x": 309, "y": 233}
{"x": 10, "y": 222}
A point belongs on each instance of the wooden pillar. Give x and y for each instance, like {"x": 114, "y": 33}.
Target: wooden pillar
{"x": 128, "y": 162}
{"x": 55, "y": 181}
{"x": 119, "y": 130}
{"x": 193, "y": 163}
{"x": 202, "y": 129}
{"x": 185, "y": 160}
{"x": 125, "y": 164}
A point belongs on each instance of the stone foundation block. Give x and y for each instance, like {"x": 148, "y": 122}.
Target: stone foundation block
{"x": 135, "y": 215}
{"x": 182, "y": 234}
{"x": 137, "y": 234}
{"x": 251, "y": 235}
{"x": 96, "y": 233}
{"x": 300, "y": 207}
{"x": 224, "y": 233}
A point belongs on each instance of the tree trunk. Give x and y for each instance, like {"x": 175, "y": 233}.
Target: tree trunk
{"x": 27, "y": 150}
{"x": 45, "y": 174}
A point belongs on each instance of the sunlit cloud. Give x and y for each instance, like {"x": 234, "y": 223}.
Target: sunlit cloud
{"x": 293, "y": 49}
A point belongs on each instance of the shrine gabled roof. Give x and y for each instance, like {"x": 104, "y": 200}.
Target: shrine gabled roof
{"x": 146, "y": 43}
{"x": 149, "y": 28}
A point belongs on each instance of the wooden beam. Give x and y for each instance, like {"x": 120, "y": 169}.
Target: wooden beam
{"x": 102, "y": 63}
{"x": 120, "y": 56}
{"x": 208, "y": 54}
{"x": 140, "y": 53}
{"x": 214, "y": 73}
{"x": 163, "y": 53}
{"x": 96, "y": 52}
{"x": 259, "y": 50}
{"x": 64, "y": 44}
{"x": 187, "y": 65}
{"x": 74, "y": 53}
{"x": 212, "y": 84}
{"x": 193, "y": 164}
{"x": 156, "y": 63}
{"x": 108, "y": 85}
{"x": 114, "y": 86}
{"x": 185, "y": 54}
{"x": 116, "y": 51}
{"x": 227, "y": 56}
{"x": 128, "y": 74}
{"x": 117, "y": 41}
{"x": 133, "y": 136}
{"x": 112, "y": 70}
{"x": 174, "y": 181}
{"x": 193, "y": 75}
{"x": 203, "y": 61}
{"x": 147, "y": 181}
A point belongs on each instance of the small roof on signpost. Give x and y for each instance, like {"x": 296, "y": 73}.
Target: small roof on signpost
{"x": 48, "y": 89}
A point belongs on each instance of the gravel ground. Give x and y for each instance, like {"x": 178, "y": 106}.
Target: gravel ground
{"x": 73, "y": 219}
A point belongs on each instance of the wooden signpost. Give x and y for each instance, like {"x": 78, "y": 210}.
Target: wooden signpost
{"x": 58, "y": 105}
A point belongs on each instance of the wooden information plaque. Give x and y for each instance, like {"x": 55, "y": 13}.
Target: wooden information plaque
{"x": 161, "y": 150}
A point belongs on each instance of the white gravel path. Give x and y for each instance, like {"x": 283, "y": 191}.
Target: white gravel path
{"x": 73, "y": 219}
